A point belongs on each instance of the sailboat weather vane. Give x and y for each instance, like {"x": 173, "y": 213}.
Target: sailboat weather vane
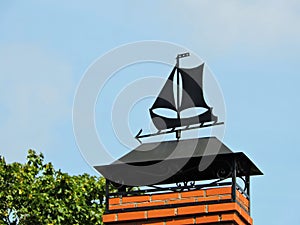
{"x": 182, "y": 91}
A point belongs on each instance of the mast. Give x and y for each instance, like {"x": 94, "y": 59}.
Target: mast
{"x": 178, "y": 132}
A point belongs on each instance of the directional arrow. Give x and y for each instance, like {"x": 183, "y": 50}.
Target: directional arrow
{"x": 175, "y": 129}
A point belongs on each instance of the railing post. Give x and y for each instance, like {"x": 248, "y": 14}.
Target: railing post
{"x": 248, "y": 190}
{"x": 107, "y": 195}
{"x": 233, "y": 187}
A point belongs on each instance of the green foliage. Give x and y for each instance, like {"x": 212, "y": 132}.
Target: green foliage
{"x": 35, "y": 193}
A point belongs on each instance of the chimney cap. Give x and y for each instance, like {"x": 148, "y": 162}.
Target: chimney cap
{"x": 199, "y": 159}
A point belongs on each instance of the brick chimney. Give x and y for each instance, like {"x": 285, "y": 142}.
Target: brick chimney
{"x": 207, "y": 206}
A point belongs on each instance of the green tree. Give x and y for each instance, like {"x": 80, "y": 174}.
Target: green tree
{"x": 36, "y": 193}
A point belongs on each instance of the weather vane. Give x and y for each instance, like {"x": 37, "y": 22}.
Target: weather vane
{"x": 183, "y": 90}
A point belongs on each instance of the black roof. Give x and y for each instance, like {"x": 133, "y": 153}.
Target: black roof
{"x": 183, "y": 148}
{"x": 177, "y": 161}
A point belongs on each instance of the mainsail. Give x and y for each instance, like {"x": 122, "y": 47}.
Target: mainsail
{"x": 191, "y": 96}
{"x": 165, "y": 98}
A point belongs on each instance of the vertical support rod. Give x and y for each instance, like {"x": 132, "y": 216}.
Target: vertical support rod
{"x": 248, "y": 191}
{"x": 233, "y": 187}
{"x": 178, "y": 132}
{"x": 106, "y": 195}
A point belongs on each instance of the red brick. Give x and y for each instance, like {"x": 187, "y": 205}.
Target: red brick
{"x": 232, "y": 217}
{"x": 109, "y": 218}
{"x": 222, "y": 207}
{"x": 191, "y": 210}
{"x": 161, "y": 213}
{"x": 131, "y": 216}
{"x": 207, "y": 219}
{"x": 133, "y": 199}
{"x": 197, "y": 193}
{"x": 114, "y": 201}
{"x": 218, "y": 191}
{"x": 227, "y": 217}
{"x": 165, "y": 196}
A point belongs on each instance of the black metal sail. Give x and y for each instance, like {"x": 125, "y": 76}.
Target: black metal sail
{"x": 191, "y": 96}
{"x": 192, "y": 82}
{"x": 165, "y": 98}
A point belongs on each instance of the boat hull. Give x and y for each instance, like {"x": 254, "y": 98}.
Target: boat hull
{"x": 162, "y": 123}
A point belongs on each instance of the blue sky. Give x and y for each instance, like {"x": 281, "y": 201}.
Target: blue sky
{"x": 251, "y": 47}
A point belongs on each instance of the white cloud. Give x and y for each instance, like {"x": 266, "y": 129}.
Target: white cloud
{"x": 35, "y": 95}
